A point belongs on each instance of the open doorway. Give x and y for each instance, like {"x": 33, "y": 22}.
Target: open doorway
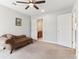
{"x": 40, "y": 29}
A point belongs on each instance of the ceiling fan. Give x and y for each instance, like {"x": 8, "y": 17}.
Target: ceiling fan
{"x": 31, "y": 3}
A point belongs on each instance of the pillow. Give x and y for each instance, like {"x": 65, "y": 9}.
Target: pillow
{"x": 9, "y": 36}
{"x": 3, "y": 40}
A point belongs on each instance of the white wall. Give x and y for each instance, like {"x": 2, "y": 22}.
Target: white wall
{"x": 34, "y": 27}
{"x": 50, "y": 17}
{"x": 7, "y": 22}
{"x": 75, "y": 21}
{"x": 49, "y": 27}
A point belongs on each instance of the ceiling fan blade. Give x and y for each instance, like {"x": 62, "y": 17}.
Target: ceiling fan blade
{"x": 30, "y": 0}
{"x": 36, "y": 7}
{"x": 27, "y": 7}
{"x": 22, "y": 2}
{"x": 33, "y": 0}
{"x": 39, "y": 2}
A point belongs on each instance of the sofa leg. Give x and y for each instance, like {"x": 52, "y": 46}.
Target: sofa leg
{"x": 11, "y": 51}
{"x": 4, "y": 48}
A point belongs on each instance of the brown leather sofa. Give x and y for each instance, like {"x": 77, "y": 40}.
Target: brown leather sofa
{"x": 19, "y": 41}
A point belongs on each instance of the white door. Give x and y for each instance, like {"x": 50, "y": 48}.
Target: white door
{"x": 64, "y": 30}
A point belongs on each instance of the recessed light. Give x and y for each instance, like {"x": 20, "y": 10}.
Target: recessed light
{"x": 43, "y": 10}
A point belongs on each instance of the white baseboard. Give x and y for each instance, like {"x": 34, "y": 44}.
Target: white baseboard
{"x": 54, "y": 43}
{"x": 50, "y": 42}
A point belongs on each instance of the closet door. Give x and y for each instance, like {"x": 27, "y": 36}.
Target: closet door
{"x": 64, "y": 30}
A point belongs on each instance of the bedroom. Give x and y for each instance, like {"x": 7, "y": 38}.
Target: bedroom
{"x": 55, "y": 31}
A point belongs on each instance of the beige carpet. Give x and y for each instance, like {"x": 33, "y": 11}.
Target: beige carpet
{"x": 40, "y": 50}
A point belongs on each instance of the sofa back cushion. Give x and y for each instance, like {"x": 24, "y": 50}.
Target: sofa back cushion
{"x": 8, "y": 36}
{"x": 20, "y": 36}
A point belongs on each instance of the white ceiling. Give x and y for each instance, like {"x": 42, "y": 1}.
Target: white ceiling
{"x": 49, "y": 6}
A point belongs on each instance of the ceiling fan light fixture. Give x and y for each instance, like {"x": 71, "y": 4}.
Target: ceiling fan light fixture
{"x": 31, "y": 4}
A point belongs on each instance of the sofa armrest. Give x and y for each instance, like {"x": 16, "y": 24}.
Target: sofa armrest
{"x": 8, "y": 46}
{"x": 11, "y": 42}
